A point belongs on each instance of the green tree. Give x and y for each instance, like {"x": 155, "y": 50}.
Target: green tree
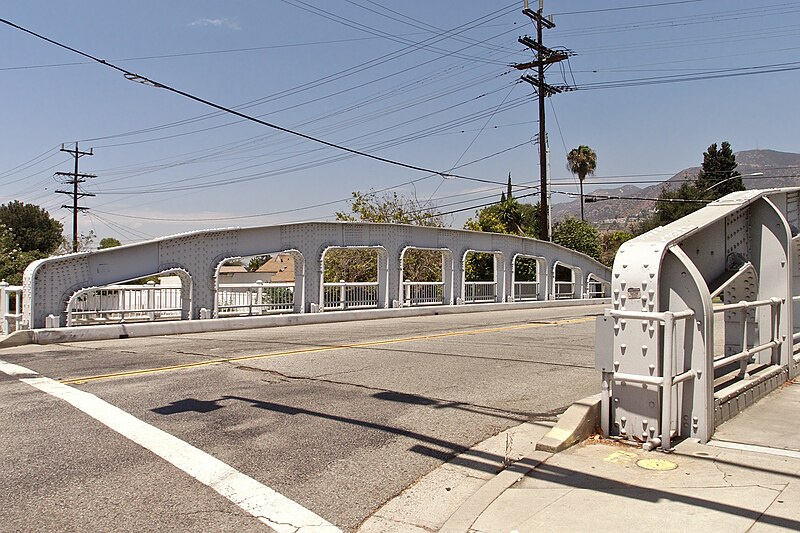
{"x": 108, "y": 242}
{"x": 257, "y": 262}
{"x": 362, "y": 264}
{"x": 578, "y": 235}
{"x": 507, "y": 216}
{"x": 610, "y": 241}
{"x": 32, "y": 228}
{"x": 717, "y": 177}
{"x": 13, "y": 260}
{"x": 582, "y": 161}
{"x": 85, "y": 243}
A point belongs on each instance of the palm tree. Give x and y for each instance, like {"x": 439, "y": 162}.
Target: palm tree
{"x": 582, "y": 161}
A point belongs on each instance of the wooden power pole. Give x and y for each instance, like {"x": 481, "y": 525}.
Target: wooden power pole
{"x": 75, "y": 178}
{"x": 544, "y": 58}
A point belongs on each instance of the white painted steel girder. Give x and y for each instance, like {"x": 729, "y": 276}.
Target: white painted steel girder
{"x": 743, "y": 247}
{"x": 196, "y": 256}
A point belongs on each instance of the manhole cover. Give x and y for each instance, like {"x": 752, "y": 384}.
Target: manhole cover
{"x": 656, "y": 464}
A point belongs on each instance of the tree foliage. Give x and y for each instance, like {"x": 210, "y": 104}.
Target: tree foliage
{"x": 717, "y": 177}
{"x": 610, "y": 241}
{"x": 257, "y": 262}
{"x": 13, "y": 260}
{"x": 507, "y": 216}
{"x": 361, "y": 265}
{"x": 578, "y": 235}
{"x": 32, "y": 228}
{"x": 582, "y": 162}
{"x": 108, "y": 242}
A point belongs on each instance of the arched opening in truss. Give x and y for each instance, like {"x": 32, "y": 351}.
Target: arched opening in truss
{"x": 480, "y": 277}
{"x": 527, "y": 273}
{"x": 354, "y": 277}
{"x": 261, "y": 284}
{"x": 427, "y": 276}
{"x": 596, "y": 287}
{"x": 160, "y": 296}
{"x": 567, "y": 281}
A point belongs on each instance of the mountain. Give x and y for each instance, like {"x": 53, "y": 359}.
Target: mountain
{"x": 779, "y": 169}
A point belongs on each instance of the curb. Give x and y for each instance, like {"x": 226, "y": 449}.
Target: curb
{"x": 470, "y": 510}
{"x": 576, "y": 424}
{"x": 177, "y": 327}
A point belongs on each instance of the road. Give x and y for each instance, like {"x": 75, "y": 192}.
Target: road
{"x": 336, "y": 418}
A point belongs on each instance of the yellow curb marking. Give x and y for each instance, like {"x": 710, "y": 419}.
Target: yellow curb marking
{"x": 79, "y": 381}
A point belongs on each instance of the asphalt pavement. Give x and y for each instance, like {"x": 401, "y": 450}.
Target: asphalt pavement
{"x": 338, "y": 419}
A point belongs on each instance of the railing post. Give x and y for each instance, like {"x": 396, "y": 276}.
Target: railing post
{"x": 3, "y": 307}
{"x": 342, "y": 294}
{"x": 667, "y": 373}
{"x": 151, "y": 299}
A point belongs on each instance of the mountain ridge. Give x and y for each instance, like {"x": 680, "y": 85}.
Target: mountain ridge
{"x": 780, "y": 169}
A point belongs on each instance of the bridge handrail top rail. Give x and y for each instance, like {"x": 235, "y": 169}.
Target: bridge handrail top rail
{"x": 661, "y": 316}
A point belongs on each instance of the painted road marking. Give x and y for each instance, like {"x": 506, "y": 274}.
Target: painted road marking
{"x": 270, "y": 507}
{"x": 300, "y": 351}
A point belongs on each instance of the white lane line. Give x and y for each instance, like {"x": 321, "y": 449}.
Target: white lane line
{"x": 754, "y": 448}
{"x": 270, "y": 507}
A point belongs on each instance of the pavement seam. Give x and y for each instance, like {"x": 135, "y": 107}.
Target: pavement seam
{"x": 767, "y": 508}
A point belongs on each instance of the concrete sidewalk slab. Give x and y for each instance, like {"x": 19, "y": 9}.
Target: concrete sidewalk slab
{"x": 599, "y": 484}
{"x": 442, "y": 494}
{"x": 769, "y": 422}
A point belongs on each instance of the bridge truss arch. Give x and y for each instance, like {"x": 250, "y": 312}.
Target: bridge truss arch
{"x": 49, "y": 283}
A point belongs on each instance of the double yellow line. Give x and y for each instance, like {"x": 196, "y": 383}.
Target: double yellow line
{"x": 212, "y": 362}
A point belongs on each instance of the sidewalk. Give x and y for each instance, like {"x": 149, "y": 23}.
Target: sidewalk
{"x": 746, "y": 479}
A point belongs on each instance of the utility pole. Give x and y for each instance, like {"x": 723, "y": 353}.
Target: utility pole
{"x": 544, "y": 58}
{"x": 75, "y": 178}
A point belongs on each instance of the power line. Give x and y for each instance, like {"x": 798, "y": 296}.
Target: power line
{"x": 625, "y": 8}
{"x": 146, "y": 81}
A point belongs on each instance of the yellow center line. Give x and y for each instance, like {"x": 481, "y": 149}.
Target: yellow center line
{"x": 212, "y": 362}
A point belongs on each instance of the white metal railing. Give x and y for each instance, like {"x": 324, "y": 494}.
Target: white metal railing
{"x": 423, "y": 293}
{"x": 563, "y": 290}
{"x": 124, "y": 303}
{"x": 668, "y": 378}
{"x": 795, "y": 336}
{"x": 526, "y": 290}
{"x": 596, "y": 289}
{"x": 350, "y": 295}
{"x": 480, "y": 291}
{"x": 743, "y": 357}
{"x": 10, "y": 307}
{"x": 259, "y": 298}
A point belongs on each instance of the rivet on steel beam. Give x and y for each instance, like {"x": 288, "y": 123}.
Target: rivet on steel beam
{"x": 652, "y": 369}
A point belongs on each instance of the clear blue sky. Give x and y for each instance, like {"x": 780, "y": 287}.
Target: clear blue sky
{"x": 421, "y": 82}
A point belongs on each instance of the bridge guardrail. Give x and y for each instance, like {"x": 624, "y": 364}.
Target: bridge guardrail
{"x": 350, "y": 295}
{"x": 124, "y": 303}
{"x": 417, "y": 293}
{"x": 249, "y": 299}
{"x": 10, "y": 307}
